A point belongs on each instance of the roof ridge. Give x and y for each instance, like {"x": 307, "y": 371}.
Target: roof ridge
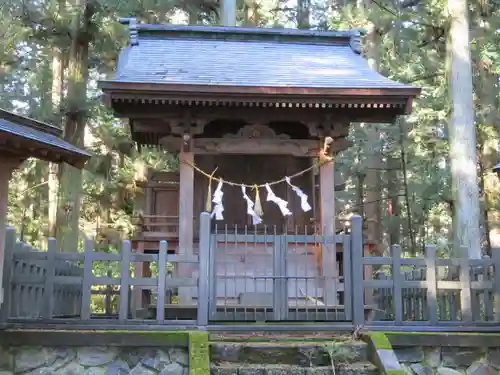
{"x": 351, "y": 37}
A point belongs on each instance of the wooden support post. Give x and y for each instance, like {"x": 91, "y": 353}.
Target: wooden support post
{"x": 186, "y": 214}
{"x": 7, "y": 165}
{"x": 148, "y": 199}
{"x": 329, "y": 253}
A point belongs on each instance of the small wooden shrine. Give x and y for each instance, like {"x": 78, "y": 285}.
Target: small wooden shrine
{"x": 252, "y": 106}
{"x": 21, "y": 138}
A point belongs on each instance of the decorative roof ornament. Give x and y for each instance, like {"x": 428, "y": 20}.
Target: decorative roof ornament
{"x": 133, "y": 39}
{"x": 355, "y": 41}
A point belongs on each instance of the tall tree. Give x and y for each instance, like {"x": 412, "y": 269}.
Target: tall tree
{"x": 462, "y": 132}
{"x": 303, "y": 14}
{"x": 82, "y": 33}
{"x": 58, "y": 66}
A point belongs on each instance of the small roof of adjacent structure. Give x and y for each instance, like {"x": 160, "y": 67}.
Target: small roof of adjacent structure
{"x": 26, "y": 137}
{"x": 191, "y": 61}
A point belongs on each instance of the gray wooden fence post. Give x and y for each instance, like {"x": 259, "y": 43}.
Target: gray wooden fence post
{"x": 50, "y": 274}
{"x": 204, "y": 270}
{"x": 162, "y": 279}
{"x": 347, "y": 266}
{"x": 465, "y": 290}
{"x": 495, "y": 252}
{"x": 87, "y": 280}
{"x": 124, "y": 280}
{"x": 108, "y": 296}
{"x": 8, "y": 265}
{"x": 358, "y": 288}
{"x": 212, "y": 290}
{"x": 431, "y": 283}
{"x": 397, "y": 284}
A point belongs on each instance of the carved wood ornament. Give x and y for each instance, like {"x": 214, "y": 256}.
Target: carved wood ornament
{"x": 256, "y": 139}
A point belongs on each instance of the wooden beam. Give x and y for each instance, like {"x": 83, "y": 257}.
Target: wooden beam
{"x": 262, "y": 146}
{"x": 257, "y": 146}
{"x": 161, "y": 112}
{"x": 215, "y": 93}
{"x": 327, "y": 211}
{"x": 186, "y": 213}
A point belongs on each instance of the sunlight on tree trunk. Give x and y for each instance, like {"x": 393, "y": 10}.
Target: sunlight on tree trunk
{"x": 372, "y": 204}
{"x": 303, "y": 14}
{"x": 462, "y": 133}
{"x": 74, "y": 130}
{"x": 53, "y": 182}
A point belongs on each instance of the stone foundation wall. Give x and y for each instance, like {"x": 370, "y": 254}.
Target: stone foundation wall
{"x": 449, "y": 360}
{"x": 32, "y": 360}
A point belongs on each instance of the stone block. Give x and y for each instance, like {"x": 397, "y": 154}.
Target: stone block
{"x": 409, "y": 355}
{"x": 494, "y": 358}
{"x": 433, "y": 357}
{"x": 96, "y": 356}
{"x": 389, "y": 360}
{"x": 448, "y": 371}
{"x": 480, "y": 368}
{"x": 420, "y": 369}
{"x": 459, "y": 357}
{"x": 31, "y": 358}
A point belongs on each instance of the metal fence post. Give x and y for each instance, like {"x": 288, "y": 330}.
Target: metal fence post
{"x": 357, "y": 282}
{"x": 6, "y": 287}
{"x": 203, "y": 270}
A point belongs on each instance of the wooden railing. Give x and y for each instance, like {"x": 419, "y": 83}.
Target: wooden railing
{"x": 43, "y": 287}
{"x": 158, "y": 226}
{"x": 38, "y": 288}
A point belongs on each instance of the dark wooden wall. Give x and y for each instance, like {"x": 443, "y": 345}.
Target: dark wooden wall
{"x": 256, "y": 169}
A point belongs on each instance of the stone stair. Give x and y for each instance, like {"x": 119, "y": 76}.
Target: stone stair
{"x": 297, "y": 357}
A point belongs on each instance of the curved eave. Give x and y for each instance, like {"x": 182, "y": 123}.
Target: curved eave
{"x": 394, "y": 97}
{"x": 19, "y": 146}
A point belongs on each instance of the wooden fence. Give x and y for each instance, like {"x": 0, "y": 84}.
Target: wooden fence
{"x": 48, "y": 286}
{"x": 426, "y": 290}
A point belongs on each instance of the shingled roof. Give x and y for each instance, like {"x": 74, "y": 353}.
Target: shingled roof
{"x": 248, "y": 60}
{"x": 27, "y": 137}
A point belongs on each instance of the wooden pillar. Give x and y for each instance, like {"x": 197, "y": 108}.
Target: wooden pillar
{"x": 186, "y": 215}
{"x": 6, "y": 167}
{"x": 142, "y": 268}
{"x": 329, "y": 253}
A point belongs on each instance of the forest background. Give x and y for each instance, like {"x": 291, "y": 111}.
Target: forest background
{"x": 52, "y": 52}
